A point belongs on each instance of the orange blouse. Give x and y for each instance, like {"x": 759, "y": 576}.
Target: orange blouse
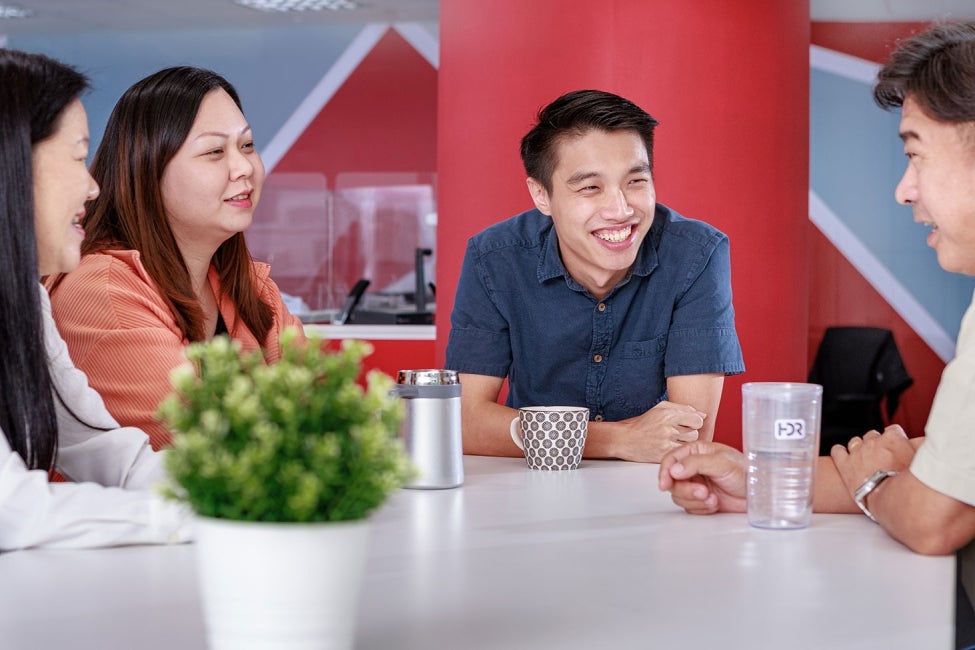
{"x": 120, "y": 332}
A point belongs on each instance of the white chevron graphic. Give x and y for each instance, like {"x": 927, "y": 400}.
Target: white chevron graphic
{"x": 415, "y": 34}
{"x": 880, "y": 278}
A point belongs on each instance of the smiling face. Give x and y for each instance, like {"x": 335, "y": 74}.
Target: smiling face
{"x": 62, "y": 184}
{"x": 212, "y": 185}
{"x": 602, "y": 203}
{"x": 939, "y": 184}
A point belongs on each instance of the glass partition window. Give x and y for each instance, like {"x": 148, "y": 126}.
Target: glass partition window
{"x": 320, "y": 240}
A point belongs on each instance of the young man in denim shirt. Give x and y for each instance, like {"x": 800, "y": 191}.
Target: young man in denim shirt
{"x": 599, "y": 297}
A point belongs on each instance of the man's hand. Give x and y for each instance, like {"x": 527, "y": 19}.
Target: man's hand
{"x": 646, "y": 438}
{"x": 705, "y": 477}
{"x": 863, "y": 456}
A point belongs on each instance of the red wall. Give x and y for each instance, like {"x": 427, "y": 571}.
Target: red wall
{"x": 731, "y": 149}
{"x": 729, "y": 82}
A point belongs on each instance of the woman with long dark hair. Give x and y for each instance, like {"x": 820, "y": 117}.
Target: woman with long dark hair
{"x": 165, "y": 262}
{"x": 51, "y": 419}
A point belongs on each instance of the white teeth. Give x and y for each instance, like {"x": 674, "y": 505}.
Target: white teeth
{"x": 615, "y": 236}
{"x": 239, "y": 197}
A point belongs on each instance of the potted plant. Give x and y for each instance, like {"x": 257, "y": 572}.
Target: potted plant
{"x": 282, "y": 463}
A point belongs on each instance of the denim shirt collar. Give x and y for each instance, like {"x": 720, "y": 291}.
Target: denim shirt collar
{"x": 550, "y": 264}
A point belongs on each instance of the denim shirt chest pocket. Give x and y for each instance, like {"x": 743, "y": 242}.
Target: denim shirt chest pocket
{"x": 638, "y": 375}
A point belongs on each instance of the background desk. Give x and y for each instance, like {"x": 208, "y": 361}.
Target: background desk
{"x": 595, "y": 558}
{"x": 395, "y": 347}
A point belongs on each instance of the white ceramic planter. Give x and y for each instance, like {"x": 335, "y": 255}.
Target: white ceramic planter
{"x": 267, "y": 586}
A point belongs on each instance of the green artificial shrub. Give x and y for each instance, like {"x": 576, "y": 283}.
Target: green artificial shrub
{"x": 298, "y": 440}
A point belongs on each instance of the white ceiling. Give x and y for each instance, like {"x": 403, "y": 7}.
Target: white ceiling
{"x": 66, "y": 16}
{"x": 891, "y": 10}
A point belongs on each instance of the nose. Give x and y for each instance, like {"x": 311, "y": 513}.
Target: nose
{"x": 906, "y": 190}
{"x": 618, "y": 205}
{"x": 93, "y": 189}
{"x": 241, "y": 165}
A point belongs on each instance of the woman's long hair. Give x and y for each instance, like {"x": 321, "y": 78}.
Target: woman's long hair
{"x": 34, "y": 92}
{"x": 149, "y": 124}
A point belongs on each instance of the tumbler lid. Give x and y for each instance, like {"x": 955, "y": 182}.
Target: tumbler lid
{"x": 427, "y": 377}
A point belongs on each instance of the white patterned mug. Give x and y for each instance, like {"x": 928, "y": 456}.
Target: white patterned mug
{"x": 552, "y": 437}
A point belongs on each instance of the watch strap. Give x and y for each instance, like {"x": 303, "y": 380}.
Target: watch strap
{"x": 868, "y": 486}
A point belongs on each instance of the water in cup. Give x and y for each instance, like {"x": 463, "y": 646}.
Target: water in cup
{"x": 780, "y": 427}
{"x": 779, "y": 488}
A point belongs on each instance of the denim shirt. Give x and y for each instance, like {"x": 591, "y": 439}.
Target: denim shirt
{"x": 519, "y": 314}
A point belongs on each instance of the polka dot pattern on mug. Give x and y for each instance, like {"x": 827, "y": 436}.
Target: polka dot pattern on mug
{"x": 554, "y": 440}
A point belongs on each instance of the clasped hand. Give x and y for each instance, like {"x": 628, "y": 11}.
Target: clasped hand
{"x": 647, "y": 437}
{"x": 861, "y": 457}
{"x": 705, "y": 477}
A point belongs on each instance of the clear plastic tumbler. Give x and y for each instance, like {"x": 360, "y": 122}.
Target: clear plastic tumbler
{"x": 780, "y": 428}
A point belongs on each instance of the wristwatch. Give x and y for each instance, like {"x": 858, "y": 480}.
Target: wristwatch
{"x": 868, "y": 486}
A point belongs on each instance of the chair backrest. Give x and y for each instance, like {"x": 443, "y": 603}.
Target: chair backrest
{"x": 860, "y": 368}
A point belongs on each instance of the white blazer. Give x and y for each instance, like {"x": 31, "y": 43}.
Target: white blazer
{"x": 111, "y": 501}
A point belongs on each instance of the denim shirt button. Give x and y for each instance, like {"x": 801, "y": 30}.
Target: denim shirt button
{"x": 598, "y": 358}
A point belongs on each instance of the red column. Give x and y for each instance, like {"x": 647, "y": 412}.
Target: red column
{"x": 729, "y": 83}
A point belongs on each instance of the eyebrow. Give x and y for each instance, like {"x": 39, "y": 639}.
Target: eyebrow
{"x": 909, "y": 135}
{"x": 578, "y": 177}
{"x": 221, "y": 134}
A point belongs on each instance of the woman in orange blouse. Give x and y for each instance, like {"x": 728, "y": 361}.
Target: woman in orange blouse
{"x": 165, "y": 262}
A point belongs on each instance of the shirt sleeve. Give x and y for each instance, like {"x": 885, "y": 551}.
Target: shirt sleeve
{"x": 91, "y": 445}
{"x": 945, "y": 461}
{"x": 479, "y": 341}
{"x": 98, "y": 512}
{"x": 702, "y": 337}
{"x": 34, "y": 512}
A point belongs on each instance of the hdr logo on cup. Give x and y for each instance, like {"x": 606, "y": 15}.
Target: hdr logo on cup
{"x": 790, "y": 429}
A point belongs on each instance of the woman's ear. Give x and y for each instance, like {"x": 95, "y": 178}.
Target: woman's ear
{"x": 539, "y": 196}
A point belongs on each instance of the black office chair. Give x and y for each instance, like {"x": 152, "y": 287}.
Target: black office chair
{"x": 861, "y": 371}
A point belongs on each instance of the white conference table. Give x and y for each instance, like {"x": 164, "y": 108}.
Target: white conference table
{"x": 515, "y": 558}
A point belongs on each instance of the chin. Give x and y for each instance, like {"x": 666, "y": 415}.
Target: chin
{"x": 957, "y": 265}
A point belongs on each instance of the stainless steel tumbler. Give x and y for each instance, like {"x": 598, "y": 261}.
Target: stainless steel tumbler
{"x": 431, "y": 428}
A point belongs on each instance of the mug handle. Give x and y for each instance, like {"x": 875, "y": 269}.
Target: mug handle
{"x": 515, "y": 432}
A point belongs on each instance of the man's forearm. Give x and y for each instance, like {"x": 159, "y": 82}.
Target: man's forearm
{"x": 600, "y": 441}
{"x": 486, "y": 430}
{"x": 921, "y": 518}
{"x": 829, "y": 492}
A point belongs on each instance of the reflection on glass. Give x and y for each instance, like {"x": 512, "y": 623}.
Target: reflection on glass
{"x": 379, "y": 221}
{"x": 321, "y": 241}
{"x": 291, "y": 233}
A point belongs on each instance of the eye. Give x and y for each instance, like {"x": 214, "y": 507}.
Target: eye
{"x": 215, "y": 152}
{"x": 248, "y": 146}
